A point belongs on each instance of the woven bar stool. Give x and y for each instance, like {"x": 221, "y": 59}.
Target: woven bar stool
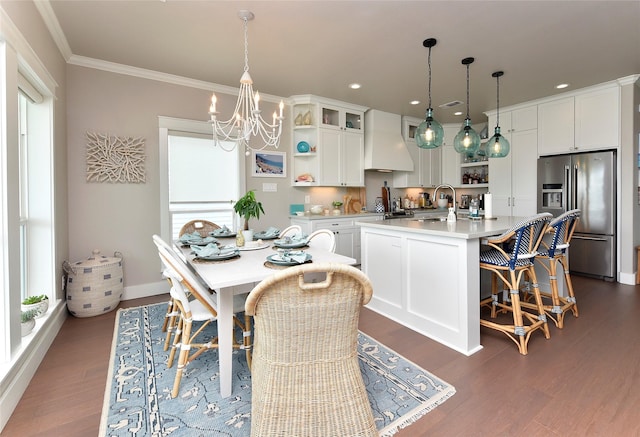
{"x": 561, "y": 228}
{"x": 511, "y": 256}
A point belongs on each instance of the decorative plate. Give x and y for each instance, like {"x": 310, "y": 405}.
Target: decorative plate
{"x": 303, "y": 147}
{"x": 227, "y": 235}
{"x": 220, "y": 257}
{"x": 256, "y": 247}
{"x": 275, "y": 259}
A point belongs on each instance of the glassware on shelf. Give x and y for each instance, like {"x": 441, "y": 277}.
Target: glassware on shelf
{"x": 306, "y": 119}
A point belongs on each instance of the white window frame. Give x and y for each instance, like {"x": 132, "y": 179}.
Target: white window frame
{"x": 168, "y": 125}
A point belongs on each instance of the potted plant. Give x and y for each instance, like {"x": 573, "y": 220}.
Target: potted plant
{"x": 40, "y": 304}
{"x": 27, "y": 321}
{"x": 248, "y": 207}
{"x": 336, "y": 207}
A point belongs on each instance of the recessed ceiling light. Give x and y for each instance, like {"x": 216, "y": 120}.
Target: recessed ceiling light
{"x": 354, "y": 86}
{"x": 415, "y": 102}
{"x": 562, "y": 85}
{"x": 457, "y": 113}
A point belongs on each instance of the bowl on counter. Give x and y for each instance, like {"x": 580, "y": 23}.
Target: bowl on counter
{"x": 316, "y": 209}
{"x": 443, "y": 203}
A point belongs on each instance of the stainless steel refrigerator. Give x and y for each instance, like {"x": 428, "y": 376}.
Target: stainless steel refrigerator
{"x": 586, "y": 181}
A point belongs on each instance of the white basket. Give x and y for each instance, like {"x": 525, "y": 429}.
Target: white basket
{"x": 94, "y": 286}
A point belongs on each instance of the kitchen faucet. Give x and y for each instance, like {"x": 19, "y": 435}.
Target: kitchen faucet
{"x": 455, "y": 202}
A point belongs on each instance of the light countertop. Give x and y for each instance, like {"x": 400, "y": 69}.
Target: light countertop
{"x": 463, "y": 228}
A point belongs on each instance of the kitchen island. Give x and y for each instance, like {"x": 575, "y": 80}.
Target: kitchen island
{"x": 426, "y": 275}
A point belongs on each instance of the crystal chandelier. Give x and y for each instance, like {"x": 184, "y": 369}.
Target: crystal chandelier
{"x": 247, "y": 121}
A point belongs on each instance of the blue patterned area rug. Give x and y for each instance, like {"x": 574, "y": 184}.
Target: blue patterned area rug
{"x": 138, "y": 403}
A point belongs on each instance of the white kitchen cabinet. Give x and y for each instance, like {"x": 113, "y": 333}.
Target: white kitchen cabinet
{"x": 556, "y": 126}
{"x": 335, "y": 134}
{"x": 598, "y": 119}
{"x": 587, "y": 121}
{"x": 346, "y": 232}
{"x": 513, "y": 178}
{"x": 427, "y": 162}
{"x": 342, "y": 158}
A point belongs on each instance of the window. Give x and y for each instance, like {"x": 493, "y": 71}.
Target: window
{"x": 203, "y": 181}
{"x": 27, "y": 255}
{"x": 198, "y": 179}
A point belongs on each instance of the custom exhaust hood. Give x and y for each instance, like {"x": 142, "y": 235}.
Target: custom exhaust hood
{"x": 384, "y": 147}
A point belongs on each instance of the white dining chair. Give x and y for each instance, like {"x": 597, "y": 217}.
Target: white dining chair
{"x": 290, "y": 231}
{"x": 323, "y": 239}
{"x": 192, "y": 285}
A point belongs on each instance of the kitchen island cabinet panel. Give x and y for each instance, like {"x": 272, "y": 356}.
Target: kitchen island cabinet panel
{"x": 432, "y": 284}
{"x": 385, "y": 269}
{"x": 428, "y": 295}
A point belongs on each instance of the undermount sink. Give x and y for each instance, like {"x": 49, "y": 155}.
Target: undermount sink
{"x": 431, "y": 219}
{"x": 438, "y": 219}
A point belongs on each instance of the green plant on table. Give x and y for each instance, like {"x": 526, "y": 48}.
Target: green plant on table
{"x": 248, "y": 207}
{"x": 34, "y": 299}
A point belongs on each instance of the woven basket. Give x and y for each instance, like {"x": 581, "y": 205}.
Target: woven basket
{"x": 94, "y": 285}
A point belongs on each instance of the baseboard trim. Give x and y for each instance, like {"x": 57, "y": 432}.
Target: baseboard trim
{"x": 25, "y": 364}
{"x": 145, "y": 290}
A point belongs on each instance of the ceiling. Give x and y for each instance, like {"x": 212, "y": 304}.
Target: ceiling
{"x": 319, "y": 47}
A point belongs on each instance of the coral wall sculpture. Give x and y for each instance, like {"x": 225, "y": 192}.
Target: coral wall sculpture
{"x": 115, "y": 159}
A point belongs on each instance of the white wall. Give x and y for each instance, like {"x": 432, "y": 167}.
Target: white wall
{"x": 122, "y": 217}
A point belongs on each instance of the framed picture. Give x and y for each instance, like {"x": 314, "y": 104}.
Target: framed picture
{"x": 269, "y": 164}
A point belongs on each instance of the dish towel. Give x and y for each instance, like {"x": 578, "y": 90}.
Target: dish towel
{"x": 190, "y": 238}
{"x": 295, "y": 239}
{"x": 212, "y": 249}
{"x": 298, "y": 256}
{"x": 270, "y": 232}
{"x": 224, "y": 230}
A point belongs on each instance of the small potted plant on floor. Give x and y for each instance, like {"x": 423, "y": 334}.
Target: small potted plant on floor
{"x": 40, "y": 304}
{"x": 27, "y": 321}
{"x": 248, "y": 207}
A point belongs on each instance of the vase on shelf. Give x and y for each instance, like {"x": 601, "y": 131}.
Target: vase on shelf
{"x": 306, "y": 119}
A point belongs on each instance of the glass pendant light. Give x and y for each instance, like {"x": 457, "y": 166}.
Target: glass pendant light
{"x": 430, "y": 133}
{"x": 467, "y": 140}
{"x": 498, "y": 146}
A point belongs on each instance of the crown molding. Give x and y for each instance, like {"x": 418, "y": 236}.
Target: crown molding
{"x": 52, "y": 23}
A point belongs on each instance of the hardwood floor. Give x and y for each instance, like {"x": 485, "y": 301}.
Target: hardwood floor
{"x": 584, "y": 381}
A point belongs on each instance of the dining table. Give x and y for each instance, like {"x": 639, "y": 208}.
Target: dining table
{"x": 239, "y": 275}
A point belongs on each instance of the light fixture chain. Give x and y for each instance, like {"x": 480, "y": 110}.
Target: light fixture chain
{"x": 246, "y": 44}
{"x": 429, "y": 63}
{"x": 498, "y": 101}
{"x": 467, "y": 90}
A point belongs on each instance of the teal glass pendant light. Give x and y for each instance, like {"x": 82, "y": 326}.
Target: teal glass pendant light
{"x": 467, "y": 140}
{"x": 430, "y": 133}
{"x": 497, "y": 146}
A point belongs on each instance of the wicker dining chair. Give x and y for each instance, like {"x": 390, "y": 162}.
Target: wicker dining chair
{"x": 551, "y": 253}
{"x": 203, "y": 227}
{"x": 305, "y": 376}
{"x": 509, "y": 257}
